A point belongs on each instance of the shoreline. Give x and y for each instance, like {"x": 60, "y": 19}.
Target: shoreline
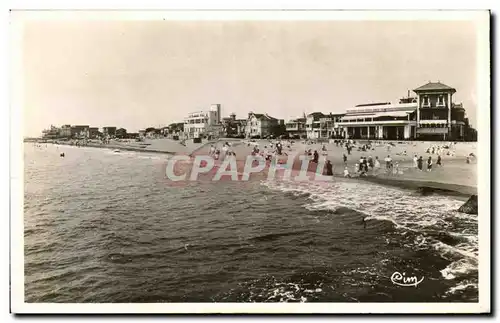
{"x": 115, "y": 146}
{"x": 190, "y": 150}
{"x": 425, "y": 187}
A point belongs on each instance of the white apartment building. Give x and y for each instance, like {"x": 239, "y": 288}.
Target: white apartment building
{"x": 203, "y": 123}
{"x": 313, "y": 125}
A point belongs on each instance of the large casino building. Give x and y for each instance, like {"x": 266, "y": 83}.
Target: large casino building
{"x": 429, "y": 115}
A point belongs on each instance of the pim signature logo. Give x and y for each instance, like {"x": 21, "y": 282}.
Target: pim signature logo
{"x": 401, "y": 280}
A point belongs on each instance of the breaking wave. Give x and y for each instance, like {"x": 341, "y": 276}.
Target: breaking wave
{"x": 426, "y": 222}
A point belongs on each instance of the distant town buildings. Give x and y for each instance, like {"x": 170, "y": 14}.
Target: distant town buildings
{"x": 430, "y": 114}
{"x": 262, "y": 125}
{"x": 94, "y": 132}
{"x": 296, "y": 128}
{"x": 83, "y": 132}
{"x": 121, "y": 133}
{"x": 51, "y": 133}
{"x": 65, "y": 131}
{"x": 80, "y": 131}
{"x": 109, "y": 131}
{"x": 232, "y": 127}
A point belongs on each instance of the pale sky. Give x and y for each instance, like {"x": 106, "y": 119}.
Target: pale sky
{"x": 136, "y": 74}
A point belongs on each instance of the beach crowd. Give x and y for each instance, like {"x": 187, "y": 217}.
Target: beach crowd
{"x": 366, "y": 165}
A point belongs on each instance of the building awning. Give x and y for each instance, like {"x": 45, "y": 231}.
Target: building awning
{"x": 392, "y": 114}
{"x": 377, "y": 115}
{"x": 356, "y": 117}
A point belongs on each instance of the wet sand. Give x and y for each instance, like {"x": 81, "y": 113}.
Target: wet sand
{"x": 455, "y": 176}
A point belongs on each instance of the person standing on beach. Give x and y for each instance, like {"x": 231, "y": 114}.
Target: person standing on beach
{"x": 265, "y": 153}
{"x": 388, "y": 162}
{"x": 429, "y": 164}
{"x": 370, "y": 161}
{"x": 316, "y": 157}
{"x": 329, "y": 168}
{"x": 415, "y": 161}
{"x": 377, "y": 163}
{"x": 398, "y": 170}
{"x": 438, "y": 163}
{"x": 325, "y": 155}
{"x": 420, "y": 163}
{"x": 224, "y": 150}
{"x": 346, "y": 172}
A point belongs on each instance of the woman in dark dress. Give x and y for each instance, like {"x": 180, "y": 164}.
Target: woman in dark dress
{"x": 316, "y": 157}
{"x": 329, "y": 168}
{"x": 420, "y": 163}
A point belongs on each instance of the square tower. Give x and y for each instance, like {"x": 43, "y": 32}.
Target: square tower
{"x": 434, "y": 104}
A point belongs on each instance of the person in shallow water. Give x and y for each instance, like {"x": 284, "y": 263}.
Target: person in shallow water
{"x": 438, "y": 163}
{"x": 429, "y": 164}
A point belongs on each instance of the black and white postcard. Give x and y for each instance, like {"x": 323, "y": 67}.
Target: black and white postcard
{"x": 250, "y": 161}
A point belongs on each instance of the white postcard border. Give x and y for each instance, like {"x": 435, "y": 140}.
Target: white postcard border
{"x": 17, "y": 244}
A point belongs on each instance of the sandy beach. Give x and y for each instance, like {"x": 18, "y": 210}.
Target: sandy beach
{"x": 454, "y": 176}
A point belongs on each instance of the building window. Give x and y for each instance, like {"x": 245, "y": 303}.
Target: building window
{"x": 426, "y": 102}
{"x": 440, "y": 101}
